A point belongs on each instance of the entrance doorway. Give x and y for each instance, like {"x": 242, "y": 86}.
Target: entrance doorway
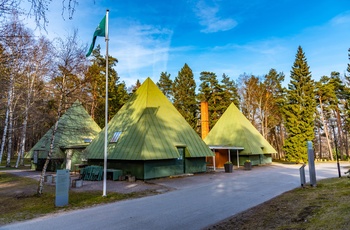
{"x": 181, "y": 159}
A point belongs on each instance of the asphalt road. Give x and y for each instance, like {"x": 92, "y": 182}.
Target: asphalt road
{"x": 196, "y": 202}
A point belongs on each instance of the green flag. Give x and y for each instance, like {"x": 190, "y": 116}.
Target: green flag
{"x": 100, "y": 32}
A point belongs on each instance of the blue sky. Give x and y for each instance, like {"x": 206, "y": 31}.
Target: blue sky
{"x": 220, "y": 36}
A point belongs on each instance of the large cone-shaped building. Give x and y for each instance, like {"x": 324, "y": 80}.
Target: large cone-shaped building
{"x": 234, "y": 138}
{"x": 149, "y": 138}
{"x": 75, "y": 130}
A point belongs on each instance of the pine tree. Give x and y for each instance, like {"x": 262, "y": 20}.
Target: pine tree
{"x": 272, "y": 102}
{"x": 348, "y": 69}
{"x": 299, "y": 110}
{"x": 347, "y": 91}
{"x": 210, "y": 91}
{"x": 325, "y": 96}
{"x": 165, "y": 85}
{"x": 117, "y": 93}
{"x": 133, "y": 88}
{"x": 184, "y": 93}
{"x": 230, "y": 90}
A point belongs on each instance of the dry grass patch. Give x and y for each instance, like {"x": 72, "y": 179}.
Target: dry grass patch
{"x": 326, "y": 206}
{"x": 18, "y": 199}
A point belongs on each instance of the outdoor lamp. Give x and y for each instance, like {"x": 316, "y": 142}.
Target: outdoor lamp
{"x": 332, "y": 123}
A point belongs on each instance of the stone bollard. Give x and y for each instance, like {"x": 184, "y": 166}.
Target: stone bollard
{"x": 48, "y": 178}
{"x": 131, "y": 178}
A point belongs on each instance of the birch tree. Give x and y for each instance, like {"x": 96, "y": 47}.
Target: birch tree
{"x": 68, "y": 79}
{"x": 38, "y": 9}
{"x": 15, "y": 44}
{"x": 38, "y": 66}
{"x": 9, "y": 83}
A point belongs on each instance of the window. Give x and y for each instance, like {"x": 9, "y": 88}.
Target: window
{"x": 181, "y": 153}
{"x": 87, "y": 140}
{"x": 115, "y": 137}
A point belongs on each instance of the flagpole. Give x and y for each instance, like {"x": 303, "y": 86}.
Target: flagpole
{"x": 106, "y": 113}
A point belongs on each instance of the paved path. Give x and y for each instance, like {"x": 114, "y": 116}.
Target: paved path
{"x": 196, "y": 202}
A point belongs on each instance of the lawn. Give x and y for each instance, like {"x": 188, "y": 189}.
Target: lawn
{"x": 326, "y": 206}
{"x": 18, "y": 199}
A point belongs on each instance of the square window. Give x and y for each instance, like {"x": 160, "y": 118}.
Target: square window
{"x": 115, "y": 137}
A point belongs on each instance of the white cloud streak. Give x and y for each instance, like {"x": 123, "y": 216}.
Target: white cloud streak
{"x": 210, "y": 20}
{"x": 139, "y": 49}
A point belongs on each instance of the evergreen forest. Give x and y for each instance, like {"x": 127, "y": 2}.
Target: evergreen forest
{"x": 40, "y": 79}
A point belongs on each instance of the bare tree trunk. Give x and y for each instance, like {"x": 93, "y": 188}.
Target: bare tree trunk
{"x": 10, "y": 136}
{"x": 277, "y": 144}
{"x": 20, "y": 160}
{"x": 72, "y": 64}
{"x": 47, "y": 161}
{"x": 266, "y": 126}
{"x": 8, "y": 112}
{"x": 282, "y": 139}
{"x": 3, "y": 141}
{"x": 25, "y": 121}
{"x": 59, "y": 110}
{"x": 326, "y": 130}
{"x": 261, "y": 116}
{"x": 319, "y": 140}
{"x": 340, "y": 133}
{"x": 346, "y": 145}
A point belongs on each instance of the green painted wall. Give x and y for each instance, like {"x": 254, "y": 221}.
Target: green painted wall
{"x": 196, "y": 165}
{"x": 54, "y": 164}
{"x": 266, "y": 159}
{"x": 260, "y": 159}
{"x": 163, "y": 168}
{"x": 59, "y": 163}
{"x": 77, "y": 157}
{"x": 145, "y": 170}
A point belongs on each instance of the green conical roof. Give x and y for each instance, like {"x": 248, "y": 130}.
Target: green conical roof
{"x": 74, "y": 127}
{"x": 234, "y": 129}
{"x": 150, "y": 128}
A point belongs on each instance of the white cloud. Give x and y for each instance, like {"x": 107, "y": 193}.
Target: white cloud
{"x": 341, "y": 19}
{"x": 208, "y": 17}
{"x": 139, "y": 49}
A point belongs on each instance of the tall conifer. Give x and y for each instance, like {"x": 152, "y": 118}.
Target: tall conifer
{"x": 230, "y": 90}
{"x": 165, "y": 85}
{"x": 299, "y": 110}
{"x": 211, "y": 91}
{"x": 184, "y": 93}
{"x": 117, "y": 93}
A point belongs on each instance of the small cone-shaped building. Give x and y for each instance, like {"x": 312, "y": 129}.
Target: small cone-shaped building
{"x": 235, "y": 139}
{"x": 75, "y": 131}
{"x": 148, "y": 138}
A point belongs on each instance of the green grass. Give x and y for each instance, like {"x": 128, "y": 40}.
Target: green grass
{"x": 27, "y": 163}
{"x": 326, "y": 206}
{"x": 18, "y": 199}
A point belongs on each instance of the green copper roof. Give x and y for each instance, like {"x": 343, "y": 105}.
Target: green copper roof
{"x": 74, "y": 127}
{"x": 234, "y": 129}
{"x": 150, "y": 128}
